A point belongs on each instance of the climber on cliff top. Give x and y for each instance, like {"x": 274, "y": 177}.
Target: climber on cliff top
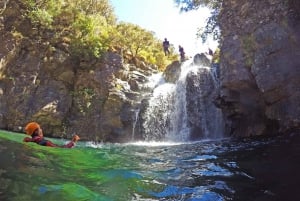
{"x": 182, "y": 53}
{"x": 34, "y": 130}
{"x": 166, "y": 45}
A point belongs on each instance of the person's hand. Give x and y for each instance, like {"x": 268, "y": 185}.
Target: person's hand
{"x": 27, "y": 139}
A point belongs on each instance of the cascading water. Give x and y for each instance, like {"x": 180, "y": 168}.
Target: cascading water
{"x": 184, "y": 110}
{"x": 136, "y": 115}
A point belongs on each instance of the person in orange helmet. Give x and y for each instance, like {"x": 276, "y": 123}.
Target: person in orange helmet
{"x": 34, "y": 130}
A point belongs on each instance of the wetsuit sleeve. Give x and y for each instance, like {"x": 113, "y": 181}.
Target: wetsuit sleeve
{"x": 50, "y": 144}
{"x": 28, "y": 139}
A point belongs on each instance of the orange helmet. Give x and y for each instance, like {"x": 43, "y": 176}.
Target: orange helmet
{"x": 31, "y": 127}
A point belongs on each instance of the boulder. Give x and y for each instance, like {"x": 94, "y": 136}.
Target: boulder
{"x": 172, "y": 72}
{"x": 201, "y": 59}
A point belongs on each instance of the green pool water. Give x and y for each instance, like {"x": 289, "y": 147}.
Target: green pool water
{"x": 32, "y": 172}
{"x": 264, "y": 169}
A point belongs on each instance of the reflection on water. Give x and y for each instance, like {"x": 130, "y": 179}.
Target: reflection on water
{"x": 262, "y": 169}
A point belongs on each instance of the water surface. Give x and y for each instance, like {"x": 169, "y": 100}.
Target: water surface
{"x": 264, "y": 169}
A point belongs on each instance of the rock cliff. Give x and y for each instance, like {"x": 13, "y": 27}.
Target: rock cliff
{"x": 260, "y": 66}
{"x": 40, "y": 81}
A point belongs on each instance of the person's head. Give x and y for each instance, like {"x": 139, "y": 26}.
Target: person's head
{"x": 75, "y": 138}
{"x": 33, "y": 129}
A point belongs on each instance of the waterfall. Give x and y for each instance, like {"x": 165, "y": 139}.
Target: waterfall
{"x": 135, "y": 119}
{"x": 178, "y": 112}
{"x": 184, "y": 110}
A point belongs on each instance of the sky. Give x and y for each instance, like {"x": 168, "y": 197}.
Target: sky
{"x": 165, "y": 19}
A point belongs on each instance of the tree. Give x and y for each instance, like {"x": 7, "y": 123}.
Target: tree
{"x": 94, "y": 7}
{"x": 187, "y": 5}
{"x": 212, "y": 26}
{"x": 90, "y": 36}
{"x": 140, "y": 43}
{"x": 86, "y": 23}
{"x": 133, "y": 38}
{"x": 43, "y": 13}
{"x": 89, "y": 29}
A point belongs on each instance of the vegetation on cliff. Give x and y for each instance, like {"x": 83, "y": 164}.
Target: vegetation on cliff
{"x": 89, "y": 28}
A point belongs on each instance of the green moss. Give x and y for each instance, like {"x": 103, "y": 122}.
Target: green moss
{"x": 249, "y": 46}
{"x": 84, "y": 98}
{"x": 216, "y": 56}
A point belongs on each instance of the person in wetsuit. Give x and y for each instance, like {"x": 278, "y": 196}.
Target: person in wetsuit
{"x": 182, "y": 53}
{"x": 166, "y": 45}
{"x": 34, "y": 130}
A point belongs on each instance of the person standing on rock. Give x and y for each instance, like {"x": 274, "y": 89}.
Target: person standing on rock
{"x": 166, "y": 45}
{"x": 34, "y": 130}
{"x": 182, "y": 53}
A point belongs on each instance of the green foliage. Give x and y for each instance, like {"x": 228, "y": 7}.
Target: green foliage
{"x": 212, "y": 27}
{"x": 133, "y": 38}
{"x": 41, "y": 16}
{"x": 140, "y": 43}
{"x": 85, "y": 21}
{"x": 90, "y": 37}
{"x": 216, "y": 56}
{"x": 187, "y": 5}
{"x": 83, "y": 98}
{"x": 89, "y": 28}
{"x": 249, "y": 45}
{"x": 42, "y": 13}
{"x": 94, "y": 7}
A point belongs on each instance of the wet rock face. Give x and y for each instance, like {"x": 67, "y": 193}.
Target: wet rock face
{"x": 200, "y": 93}
{"x": 260, "y": 66}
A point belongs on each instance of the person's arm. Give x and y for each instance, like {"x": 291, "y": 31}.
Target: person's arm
{"x": 50, "y": 144}
{"x": 73, "y": 142}
{"x": 69, "y": 145}
{"x": 28, "y": 139}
